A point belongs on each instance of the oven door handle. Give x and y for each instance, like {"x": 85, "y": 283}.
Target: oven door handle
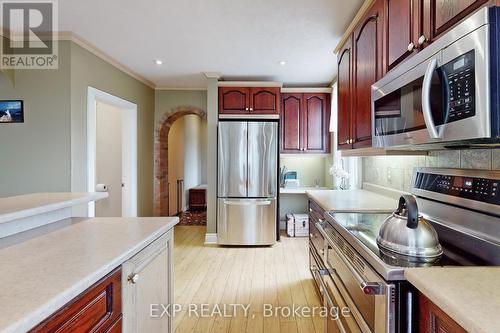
{"x": 434, "y": 133}
{"x": 368, "y": 288}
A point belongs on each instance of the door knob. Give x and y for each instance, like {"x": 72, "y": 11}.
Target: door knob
{"x": 246, "y": 109}
{"x": 133, "y": 278}
{"x": 411, "y": 47}
{"x": 251, "y": 109}
{"x": 421, "y": 40}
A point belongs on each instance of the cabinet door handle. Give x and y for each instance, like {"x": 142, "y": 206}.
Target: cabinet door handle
{"x": 246, "y": 109}
{"x": 133, "y": 278}
{"x": 411, "y": 47}
{"x": 421, "y": 40}
{"x": 251, "y": 109}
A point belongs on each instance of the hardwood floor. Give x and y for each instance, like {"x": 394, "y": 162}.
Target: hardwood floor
{"x": 277, "y": 276}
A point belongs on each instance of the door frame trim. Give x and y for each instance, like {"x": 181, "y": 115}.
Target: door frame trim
{"x": 129, "y": 144}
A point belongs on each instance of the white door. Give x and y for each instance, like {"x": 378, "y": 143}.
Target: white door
{"x": 109, "y": 121}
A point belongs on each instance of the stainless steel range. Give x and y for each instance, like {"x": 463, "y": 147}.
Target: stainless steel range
{"x": 463, "y": 206}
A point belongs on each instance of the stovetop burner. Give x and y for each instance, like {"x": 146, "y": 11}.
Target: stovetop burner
{"x": 365, "y": 228}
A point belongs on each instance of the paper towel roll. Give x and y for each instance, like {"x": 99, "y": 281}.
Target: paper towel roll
{"x": 101, "y": 188}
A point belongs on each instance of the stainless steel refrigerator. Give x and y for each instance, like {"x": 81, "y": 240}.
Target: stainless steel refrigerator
{"x": 247, "y": 182}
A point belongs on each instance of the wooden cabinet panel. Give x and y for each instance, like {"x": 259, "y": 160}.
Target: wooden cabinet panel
{"x": 367, "y": 64}
{"x": 234, "y": 100}
{"x": 344, "y": 97}
{"x": 443, "y": 14}
{"x": 402, "y": 21}
{"x": 265, "y": 100}
{"x": 316, "y": 119}
{"x": 116, "y": 327}
{"x": 305, "y": 123}
{"x": 434, "y": 320}
{"x": 244, "y": 100}
{"x": 95, "y": 310}
{"x": 291, "y": 107}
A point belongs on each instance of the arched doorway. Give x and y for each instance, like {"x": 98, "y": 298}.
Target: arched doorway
{"x": 161, "y": 155}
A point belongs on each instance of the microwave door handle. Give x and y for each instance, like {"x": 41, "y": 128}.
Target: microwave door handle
{"x": 426, "y": 100}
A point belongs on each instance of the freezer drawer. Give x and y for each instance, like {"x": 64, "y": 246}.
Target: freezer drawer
{"x": 246, "y": 221}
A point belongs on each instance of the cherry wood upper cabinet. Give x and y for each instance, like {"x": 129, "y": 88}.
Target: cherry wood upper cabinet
{"x": 244, "y": 100}
{"x": 265, "y": 100}
{"x": 433, "y": 320}
{"x": 234, "y": 100}
{"x": 368, "y": 68}
{"x": 404, "y": 28}
{"x": 441, "y": 15}
{"x": 344, "y": 96}
{"x": 291, "y": 123}
{"x": 305, "y": 120}
{"x": 316, "y": 123}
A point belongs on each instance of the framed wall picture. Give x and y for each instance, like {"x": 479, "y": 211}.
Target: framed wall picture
{"x": 11, "y": 111}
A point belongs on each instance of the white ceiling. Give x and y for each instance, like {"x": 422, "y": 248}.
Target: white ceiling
{"x": 241, "y": 39}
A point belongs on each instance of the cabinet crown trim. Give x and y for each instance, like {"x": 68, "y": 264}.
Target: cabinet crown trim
{"x": 355, "y": 21}
{"x": 250, "y": 84}
{"x": 325, "y": 90}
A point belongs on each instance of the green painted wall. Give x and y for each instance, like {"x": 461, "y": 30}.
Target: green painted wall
{"x": 48, "y": 152}
{"x": 167, "y": 100}
{"x": 35, "y": 155}
{"x": 89, "y": 70}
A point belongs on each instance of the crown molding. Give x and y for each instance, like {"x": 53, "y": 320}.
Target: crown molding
{"x": 71, "y": 36}
{"x": 212, "y": 75}
{"x": 180, "y": 89}
{"x": 350, "y": 29}
{"x": 306, "y": 90}
{"x": 250, "y": 84}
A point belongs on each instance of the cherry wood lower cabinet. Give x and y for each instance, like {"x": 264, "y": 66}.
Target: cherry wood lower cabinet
{"x": 434, "y": 320}
{"x": 98, "y": 309}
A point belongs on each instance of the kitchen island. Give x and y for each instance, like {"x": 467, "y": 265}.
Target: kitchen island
{"x": 46, "y": 268}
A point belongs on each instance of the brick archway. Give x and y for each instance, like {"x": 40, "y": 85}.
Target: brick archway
{"x": 161, "y": 155}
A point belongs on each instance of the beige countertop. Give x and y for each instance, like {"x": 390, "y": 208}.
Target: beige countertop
{"x": 42, "y": 272}
{"x": 469, "y": 295}
{"x": 27, "y": 205}
{"x": 353, "y": 201}
{"x": 301, "y": 190}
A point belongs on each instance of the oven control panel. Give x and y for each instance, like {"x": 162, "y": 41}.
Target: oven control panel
{"x": 473, "y": 188}
{"x": 459, "y": 75}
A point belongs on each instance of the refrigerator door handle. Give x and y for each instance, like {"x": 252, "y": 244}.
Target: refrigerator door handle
{"x": 247, "y": 202}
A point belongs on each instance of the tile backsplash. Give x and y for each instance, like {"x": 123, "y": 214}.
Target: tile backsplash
{"x": 396, "y": 171}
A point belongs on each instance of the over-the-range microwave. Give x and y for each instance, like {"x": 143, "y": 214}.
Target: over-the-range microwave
{"x": 445, "y": 95}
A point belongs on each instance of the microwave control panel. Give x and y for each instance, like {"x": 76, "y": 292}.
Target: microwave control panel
{"x": 473, "y": 188}
{"x": 459, "y": 75}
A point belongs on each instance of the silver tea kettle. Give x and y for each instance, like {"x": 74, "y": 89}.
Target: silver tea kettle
{"x": 408, "y": 234}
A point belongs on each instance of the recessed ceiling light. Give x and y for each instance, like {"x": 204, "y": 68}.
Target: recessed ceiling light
{"x": 282, "y": 62}
{"x": 158, "y": 62}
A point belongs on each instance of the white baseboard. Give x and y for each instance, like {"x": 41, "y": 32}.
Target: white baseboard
{"x": 210, "y": 239}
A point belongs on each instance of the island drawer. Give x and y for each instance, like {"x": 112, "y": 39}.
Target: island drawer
{"x": 98, "y": 309}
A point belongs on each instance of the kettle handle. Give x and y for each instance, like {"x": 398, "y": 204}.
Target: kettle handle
{"x": 410, "y": 203}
